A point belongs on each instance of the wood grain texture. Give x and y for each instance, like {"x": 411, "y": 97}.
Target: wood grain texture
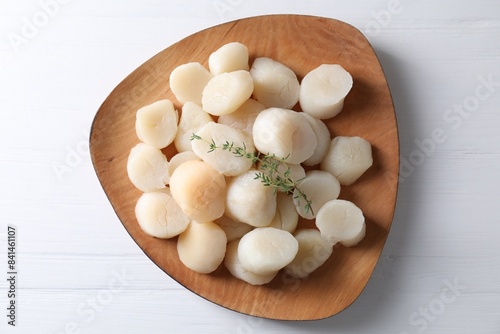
{"x": 302, "y": 43}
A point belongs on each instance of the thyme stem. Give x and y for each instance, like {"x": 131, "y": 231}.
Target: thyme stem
{"x": 271, "y": 175}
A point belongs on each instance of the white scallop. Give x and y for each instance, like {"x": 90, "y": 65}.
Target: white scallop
{"x": 313, "y": 252}
{"x": 199, "y": 190}
{"x": 244, "y": 117}
{"x": 348, "y": 158}
{"x": 319, "y": 187}
{"x": 191, "y": 120}
{"x": 159, "y": 215}
{"x": 156, "y": 124}
{"x": 180, "y": 158}
{"x": 249, "y": 201}
{"x": 187, "y": 82}
{"x": 265, "y": 250}
{"x": 323, "y": 90}
{"x": 341, "y": 221}
{"x": 233, "y": 229}
{"x": 147, "y": 168}
{"x": 228, "y": 58}
{"x": 226, "y": 92}
{"x": 233, "y": 264}
{"x": 202, "y": 247}
{"x": 286, "y": 217}
{"x": 275, "y": 85}
{"x": 323, "y": 137}
{"x": 285, "y": 134}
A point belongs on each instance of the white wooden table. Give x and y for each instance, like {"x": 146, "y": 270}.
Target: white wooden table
{"x": 78, "y": 271}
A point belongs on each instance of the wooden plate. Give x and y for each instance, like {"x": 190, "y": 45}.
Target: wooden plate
{"x": 302, "y": 43}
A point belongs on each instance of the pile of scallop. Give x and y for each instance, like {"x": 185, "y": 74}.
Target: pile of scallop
{"x": 248, "y": 166}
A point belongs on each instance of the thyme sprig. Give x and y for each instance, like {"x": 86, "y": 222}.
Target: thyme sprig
{"x": 272, "y": 167}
